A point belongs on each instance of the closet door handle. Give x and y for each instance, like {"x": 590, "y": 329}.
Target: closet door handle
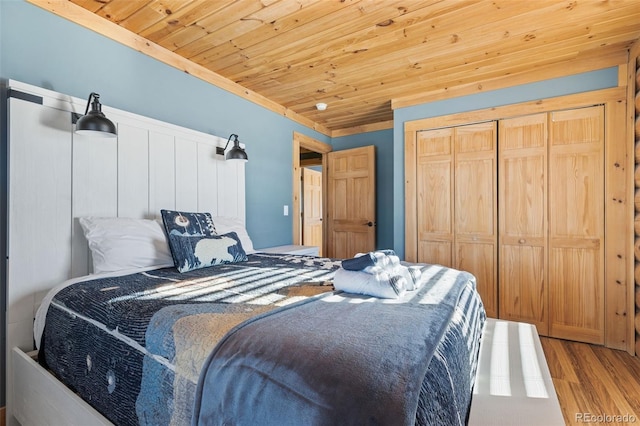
{"x": 521, "y": 241}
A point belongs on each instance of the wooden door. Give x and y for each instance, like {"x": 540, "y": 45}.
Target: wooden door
{"x": 576, "y": 224}
{"x": 456, "y": 202}
{"x": 312, "y": 208}
{"x": 475, "y": 217}
{"x": 351, "y": 202}
{"x": 523, "y": 220}
{"x": 434, "y": 196}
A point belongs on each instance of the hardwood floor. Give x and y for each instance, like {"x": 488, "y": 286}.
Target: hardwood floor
{"x": 594, "y": 384}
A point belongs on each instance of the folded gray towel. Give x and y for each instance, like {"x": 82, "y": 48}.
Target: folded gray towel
{"x": 389, "y": 284}
{"x": 373, "y": 258}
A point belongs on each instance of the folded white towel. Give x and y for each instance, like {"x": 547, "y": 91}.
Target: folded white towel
{"x": 383, "y": 262}
{"x": 415, "y": 273}
{"x": 390, "y": 283}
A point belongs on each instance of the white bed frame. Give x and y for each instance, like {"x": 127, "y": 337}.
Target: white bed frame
{"x": 56, "y": 176}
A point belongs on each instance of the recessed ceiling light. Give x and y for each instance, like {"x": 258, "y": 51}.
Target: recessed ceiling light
{"x": 321, "y": 106}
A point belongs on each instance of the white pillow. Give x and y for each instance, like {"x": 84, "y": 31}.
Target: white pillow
{"x": 119, "y": 243}
{"x": 225, "y": 224}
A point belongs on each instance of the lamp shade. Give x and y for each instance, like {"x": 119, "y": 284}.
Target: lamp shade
{"x": 237, "y": 152}
{"x": 94, "y": 122}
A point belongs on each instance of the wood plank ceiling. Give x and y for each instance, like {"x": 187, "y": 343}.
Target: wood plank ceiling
{"x": 360, "y": 56}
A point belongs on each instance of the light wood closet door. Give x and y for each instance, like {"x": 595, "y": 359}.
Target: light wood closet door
{"x": 522, "y": 154}
{"x": 475, "y": 222}
{"x": 434, "y": 193}
{"x": 456, "y": 202}
{"x": 576, "y": 224}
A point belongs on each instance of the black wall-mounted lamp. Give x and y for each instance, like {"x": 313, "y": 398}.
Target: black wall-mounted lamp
{"x": 94, "y": 122}
{"x": 236, "y": 152}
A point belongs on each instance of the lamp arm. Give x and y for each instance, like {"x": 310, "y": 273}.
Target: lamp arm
{"x": 228, "y": 140}
{"x": 91, "y": 95}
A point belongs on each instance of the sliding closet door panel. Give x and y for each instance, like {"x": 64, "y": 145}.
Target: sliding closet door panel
{"x": 576, "y": 224}
{"x": 524, "y": 264}
{"x": 434, "y": 195}
{"x": 523, "y": 220}
{"x": 475, "y": 208}
{"x": 186, "y": 175}
{"x": 162, "y": 173}
{"x": 133, "y": 171}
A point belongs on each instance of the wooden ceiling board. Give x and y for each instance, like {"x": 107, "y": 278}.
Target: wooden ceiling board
{"x": 188, "y": 15}
{"x": 118, "y": 10}
{"x": 286, "y": 50}
{"x": 359, "y": 56}
{"x": 467, "y": 68}
{"x": 390, "y": 68}
{"x": 236, "y": 49}
{"x": 344, "y": 33}
{"x": 343, "y": 63}
{"x": 437, "y": 53}
{"x": 91, "y": 5}
{"x": 152, "y": 13}
{"x": 215, "y": 28}
{"x": 262, "y": 25}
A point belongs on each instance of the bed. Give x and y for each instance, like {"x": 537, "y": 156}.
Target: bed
{"x": 153, "y": 165}
{"x": 264, "y": 341}
{"x": 145, "y": 372}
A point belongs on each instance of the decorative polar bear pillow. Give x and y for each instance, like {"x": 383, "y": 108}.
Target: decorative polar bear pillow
{"x": 195, "y": 245}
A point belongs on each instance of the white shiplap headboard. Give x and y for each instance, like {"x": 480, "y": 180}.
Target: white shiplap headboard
{"x": 57, "y": 176}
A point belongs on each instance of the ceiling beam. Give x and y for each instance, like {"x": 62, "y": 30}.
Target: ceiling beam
{"x": 562, "y": 69}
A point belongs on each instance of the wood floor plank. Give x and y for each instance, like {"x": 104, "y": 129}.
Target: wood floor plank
{"x": 562, "y": 364}
{"x": 594, "y": 384}
{"x": 569, "y": 402}
{"x": 620, "y": 366}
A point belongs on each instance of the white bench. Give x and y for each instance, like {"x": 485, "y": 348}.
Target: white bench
{"x": 513, "y": 384}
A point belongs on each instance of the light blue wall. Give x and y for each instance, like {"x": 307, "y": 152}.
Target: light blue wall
{"x": 584, "y": 82}
{"x": 383, "y": 141}
{"x": 40, "y": 48}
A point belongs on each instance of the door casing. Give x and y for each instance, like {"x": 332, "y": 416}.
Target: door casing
{"x": 304, "y": 141}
